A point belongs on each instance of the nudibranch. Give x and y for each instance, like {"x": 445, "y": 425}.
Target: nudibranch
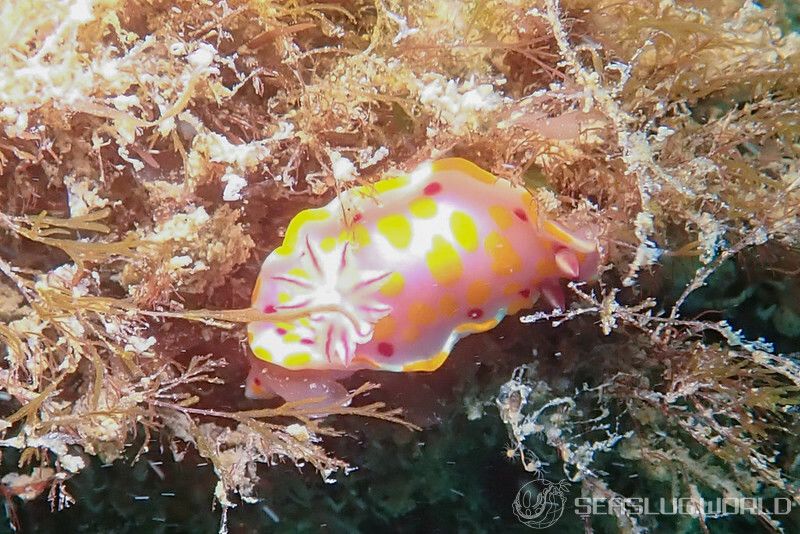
{"x": 389, "y": 276}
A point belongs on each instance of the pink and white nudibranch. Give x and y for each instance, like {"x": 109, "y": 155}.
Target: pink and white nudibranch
{"x": 389, "y": 276}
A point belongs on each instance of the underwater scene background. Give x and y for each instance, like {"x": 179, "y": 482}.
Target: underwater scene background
{"x": 153, "y": 153}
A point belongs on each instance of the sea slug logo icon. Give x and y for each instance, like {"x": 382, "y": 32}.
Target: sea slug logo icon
{"x": 540, "y": 503}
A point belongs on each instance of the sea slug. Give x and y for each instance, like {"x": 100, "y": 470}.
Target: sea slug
{"x": 389, "y": 276}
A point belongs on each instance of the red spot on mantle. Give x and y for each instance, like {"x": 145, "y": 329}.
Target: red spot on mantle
{"x": 521, "y": 214}
{"x": 475, "y": 313}
{"x": 269, "y": 308}
{"x": 385, "y": 349}
{"x": 432, "y": 188}
{"x": 525, "y": 293}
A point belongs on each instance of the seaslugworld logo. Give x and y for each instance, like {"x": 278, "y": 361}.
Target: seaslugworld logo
{"x": 708, "y": 508}
{"x": 540, "y": 503}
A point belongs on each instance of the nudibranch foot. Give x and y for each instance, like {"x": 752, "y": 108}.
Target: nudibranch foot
{"x": 320, "y": 388}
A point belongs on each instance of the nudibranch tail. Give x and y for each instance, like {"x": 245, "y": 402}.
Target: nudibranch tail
{"x": 394, "y": 273}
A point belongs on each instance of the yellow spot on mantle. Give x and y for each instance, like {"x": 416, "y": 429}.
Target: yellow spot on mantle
{"x": 385, "y": 328}
{"x": 327, "y": 244}
{"x": 503, "y": 218}
{"x": 262, "y": 354}
{"x": 297, "y": 359}
{"x": 545, "y": 268}
{"x": 443, "y": 261}
{"x": 297, "y": 271}
{"x": 464, "y": 230}
{"x": 356, "y": 234}
{"x": 478, "y": 292}
{"x": 423, "y": 208}
{"x": 512, "y": 288}
{"x": 448, "y": 306}
{"x": 431, "y": 364}
{"x": 396, "y": 229}
{"x": 420, "y": 313}
{"x": 505, "y": 259}
{"x": 393, "y": 285}
{"x": 291, "y": 337}
{"x": 410, "y": 334}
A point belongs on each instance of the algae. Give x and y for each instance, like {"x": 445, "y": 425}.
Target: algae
{"x": 152, "y": 153}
